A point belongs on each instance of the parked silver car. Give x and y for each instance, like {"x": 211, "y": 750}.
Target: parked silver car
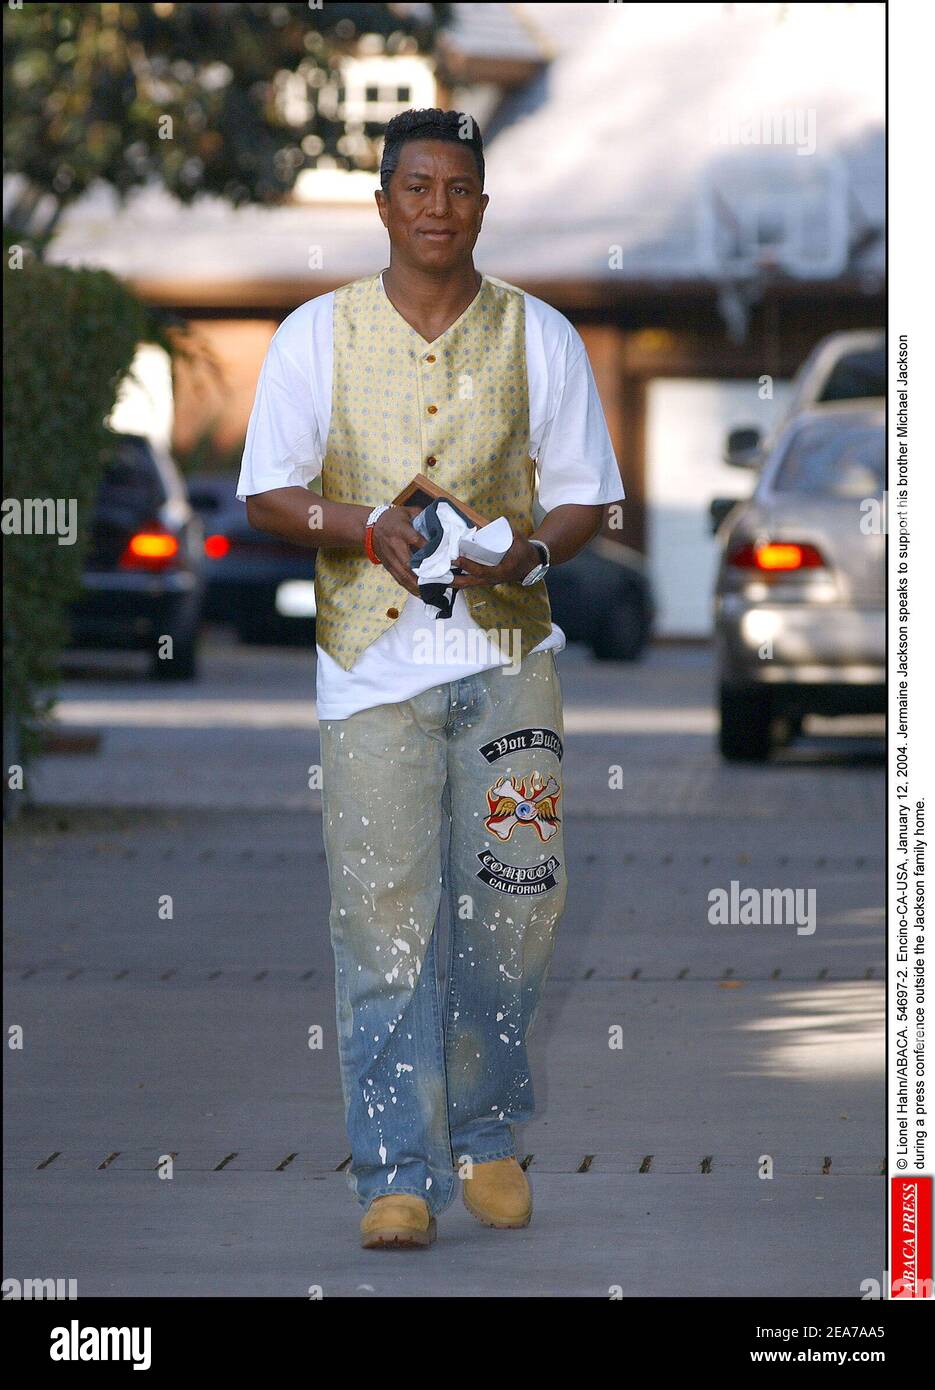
{"x": 845, "y": 366}
{"x": 800, "y": 620}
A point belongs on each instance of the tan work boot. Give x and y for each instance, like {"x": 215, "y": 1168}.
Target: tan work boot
{"x": 401, "y": 1222}
{"x": 498, "y": 1194}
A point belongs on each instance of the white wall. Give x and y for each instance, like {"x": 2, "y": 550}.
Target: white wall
{"x": 687, "y": 421}
{"x": 145, "y": 402}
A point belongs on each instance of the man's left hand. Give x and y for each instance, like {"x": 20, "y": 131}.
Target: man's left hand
{"x": 512, "y": 569}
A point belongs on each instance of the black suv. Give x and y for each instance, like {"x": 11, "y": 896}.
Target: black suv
{"x": 142, "y": 577}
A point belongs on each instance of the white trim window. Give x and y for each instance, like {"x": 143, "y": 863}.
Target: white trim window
{"x": 373, "y": 88}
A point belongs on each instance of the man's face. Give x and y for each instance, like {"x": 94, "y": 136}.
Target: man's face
{"x": 435, "y": 206}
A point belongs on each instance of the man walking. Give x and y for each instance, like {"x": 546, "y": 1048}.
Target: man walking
{"x": 433, "y": 367}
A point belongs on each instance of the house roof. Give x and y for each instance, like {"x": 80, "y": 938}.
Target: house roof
{"x": 642, "y": 152}
{"x": 496, "y": 32}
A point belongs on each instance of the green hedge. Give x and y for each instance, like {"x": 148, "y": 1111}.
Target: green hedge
{"x": 69, "y": 338}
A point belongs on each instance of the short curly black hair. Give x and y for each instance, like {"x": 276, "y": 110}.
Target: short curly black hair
{"x": 429, "y": 124}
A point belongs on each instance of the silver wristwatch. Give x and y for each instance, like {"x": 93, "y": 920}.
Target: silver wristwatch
{"x": 538, "y": 571}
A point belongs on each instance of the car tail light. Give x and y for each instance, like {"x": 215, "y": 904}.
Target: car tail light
{"x": 152, "y": 550}
{"x": 216, "y": 547}
{"x": 776, "y": 557}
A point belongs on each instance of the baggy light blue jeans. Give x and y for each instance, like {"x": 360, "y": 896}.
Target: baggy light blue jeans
{"x": 424, "y": 1090}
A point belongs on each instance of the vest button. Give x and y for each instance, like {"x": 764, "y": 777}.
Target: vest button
{"x": 432, "y": 409}
{"x": 431, "y": 357}
{"x": 431, "y": 460}
{"x": 392, "y": 612}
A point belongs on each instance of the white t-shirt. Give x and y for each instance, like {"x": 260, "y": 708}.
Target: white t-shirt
{"x": 285, "y": 446}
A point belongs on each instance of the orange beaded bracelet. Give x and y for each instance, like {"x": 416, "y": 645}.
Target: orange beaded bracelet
{"x": 368, "y": 546}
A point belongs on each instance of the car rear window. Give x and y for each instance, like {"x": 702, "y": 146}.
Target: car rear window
{"x": 131, "y": 478}
{"x": 856, "y": 376}
{"x": 203, "y": 499}
{"x": 833, "y": 461}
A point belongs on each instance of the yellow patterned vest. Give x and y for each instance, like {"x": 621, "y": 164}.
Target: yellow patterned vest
{"x": 457, "y": 410}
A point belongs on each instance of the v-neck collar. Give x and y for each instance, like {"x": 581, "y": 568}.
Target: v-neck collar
{"x": 464, "y": 313}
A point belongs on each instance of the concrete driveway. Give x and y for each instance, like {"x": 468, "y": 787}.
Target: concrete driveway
{"x": 169, "y": 1131}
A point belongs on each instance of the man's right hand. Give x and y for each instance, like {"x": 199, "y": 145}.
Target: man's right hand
{"x": 394, "y": 539}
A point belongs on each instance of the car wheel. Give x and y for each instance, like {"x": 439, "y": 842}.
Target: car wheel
{"x": 251, "y": 632}
{"x": 794, "y": 726}
{"x": 746, "y": 724}
{"x": 261, "y": 629}
{"x": 623, "y": 631}
{"x": 183, "y": 665}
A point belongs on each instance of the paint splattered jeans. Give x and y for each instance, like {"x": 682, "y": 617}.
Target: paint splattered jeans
{"x": 424, "y": 1088}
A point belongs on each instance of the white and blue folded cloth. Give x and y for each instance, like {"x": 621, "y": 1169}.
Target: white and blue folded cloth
{"x": 449, "y": 533}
